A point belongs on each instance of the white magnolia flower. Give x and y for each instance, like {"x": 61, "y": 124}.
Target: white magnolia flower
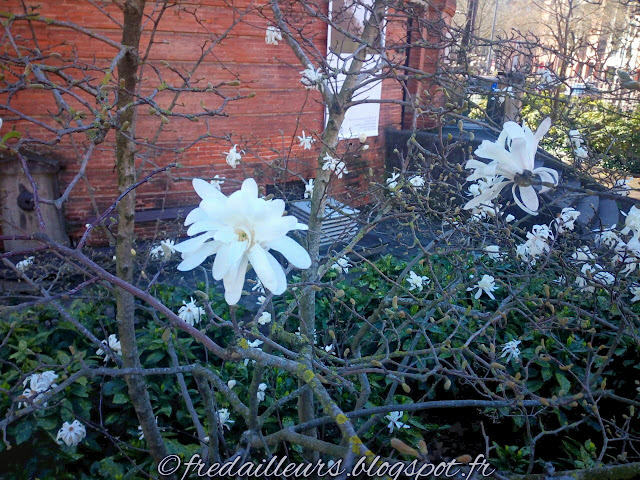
{"x": 509, "y": 218}
{"x": 328, "y": 348}
{"x": 272, "y": 35}
{"x": 113, "y": 343}
{"x": 38, "y": 384}
{"x": 23, "y": 265}
{"x": 71, "y": 433}
{"x": 190, "y": 312}
{"x": 485, "y": 209}
{"x": 260, "y": 393}
{"x": 635, "y": 291}
{"x": 233, "y": 157}
{"x": 628, "y": 254}
{"x": 536, "y": 245}
{"x": 583, "y": 254}
{"x": 516, "y": 166}
{"x": 575, "y": 138}
{"x": 240, "y": 230}
{"x": 581, "y": 152}
{"x": 622, "y": 187}
{"x": 394, "y": 421}
{"x": 392, "y": 181}
{"x": 311, "y": 79}
{"x": 308, "y": 188}
{"x": 416, "y": 281}
{"x": 216, "y": 182}
{"x": 511, "y": 350}
{"x": 632, "y": 222}
{"x": 231, "y": 384}
{"x": 342, "y": 265}
{"x": 264, "y": 318}
{"x": 417, "y": 181}
{"x": 487, "y": 285}
{"x": 305, "y": 141}
{"x": 493, "y": 252}
{"x": 335, "y": 165}
{"x": 597, "y": 275}
{"x": 566, "y": 221}
{"x": 224, "y": 418}
{"x": 609, "y": 238}
{"x": 165, "y": 249}
{"x": 261, "y": 300}
{"x": 255, "y": 343}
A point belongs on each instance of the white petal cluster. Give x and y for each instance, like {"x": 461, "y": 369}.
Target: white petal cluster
{"x": 335, "y": 165}
{"x": 342, "y": 265}
{"x": 240, "y": 230}
{"x": 537, "y": 244}
{"x": 593, "y": 274}
{"x": 583, "y": 254}
{"x": 23, "y": 265}
{"x": 311, "y": 79}
{"x": 231, "y": 384}
{"x": 493, "y": 252}
{"x": 260, "y": 393}
{"x": 622, "y": 187}
{"x": 305, "y": 141}
{"x": 272, "y": 35}
{"x": 628, "y": 254}
{"x": 114, "y": 345}
{"x": 635, "y": 291}
{"x": 308, "y": 188}
{"x": 392, "y": 181}
{"x": 511, "y": 350}
{"x": 486, "y": 208}
{"x": 632, "y": 222}
{"x": 417, "y": 181}
{"x": 394, "y": 421}
{"x": 607, "y": 237}
{"x": 190, "y": 312}
{"x": 416, "y": 281}
{"x": 264, "y": 318}
{"x": 566, "y": 221}
{"x": 71, "y": 433}
{"x": 164, "y": 250}
{"x": 224, "y": 418}
{"x": 575, "y": 139}
{"x": 515, "y": 166}
{"x": 486, "y": 285}
{"x": 233, "y": 157}
{"x": 38, "y": 384}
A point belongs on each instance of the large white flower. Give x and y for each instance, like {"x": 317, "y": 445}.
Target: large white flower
{"x": 272, "y": 35}
{"x": 487, "y": 285}
{"x": 71, "y": 433}
{"x": 516, "y": 166}
{"x": 394, "y": 421}
{"x": 190, "y": 312}
{"x": 305, "y": 142}
{"x": 240, "y": 230}
{"x": 38, "y": 384}
{"x": 114, "y": 344}
{"x": 233, "y": 156}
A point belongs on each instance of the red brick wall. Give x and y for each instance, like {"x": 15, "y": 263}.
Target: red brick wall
{"x": 263, "y": 125}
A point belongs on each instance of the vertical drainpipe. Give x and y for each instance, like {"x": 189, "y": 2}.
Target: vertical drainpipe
{"x": 405, "y": 93}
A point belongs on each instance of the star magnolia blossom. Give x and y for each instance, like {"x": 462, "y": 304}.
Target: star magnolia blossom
{"x": 416, "y": 281}
{"x": 71, "y": 433}
{"x": 632, "y": 222}
{"x": 392, "y": 181}
{"x": 216, "y": 182}
{"x": 609, "y": 238}
{"x": 305, "y": 141}
{"x": 417, "y": 181}
{"x": 25, "y": 264}
{"x": 394, "y": 421}
{"x": 260, "y": 393}
{"x": 308, "y": 188}
{"x": 335, "y": 165}
{"x": 537, "y": 244}
{"x": 628, "y": 254}
{"x": 342, "y": 265}
{"x": 38, "y": 384}
{"x": 264, "y": 318}
{"x": 516, "y": 166}
{"x": 114, "y": 344}
{"x": 511, "y": 350}
{"x": 233, "y": 156}
{"x": 224, "y": 418}
{"x": 272, "y": 35}
{"x": 576, "y": 138}
{"x": 486, "y": 209}
{"x": 311, "y": 79}
{"x": 596, "y": 273}
{"x": 240, "y": 230}
{"x": 190, "y": 312}
{"x": 486, "y": 285}
{"x": 566, "y": 221}
{"x": 635, "y": 291}
{"x": 622, "y": 187}
{"x": 328, "y": 348}
{"x": 164, "y": 250}
{"x": 583, "y": 254}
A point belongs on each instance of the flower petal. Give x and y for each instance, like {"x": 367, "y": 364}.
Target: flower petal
{"x": 233, "y": 283}
{"x": 260, "y": 263}
{"x": 292, "y": 251}
{"x": 193, "y": 259}
{"x": 529, "y": 202}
